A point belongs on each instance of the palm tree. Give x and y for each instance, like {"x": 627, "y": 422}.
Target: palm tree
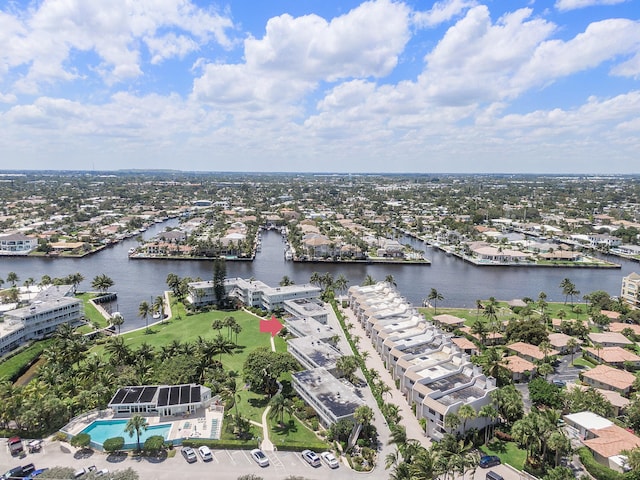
{"x": 217, "y": 324}
{"x": 237, "y": 328}
{"x": 117, "y": 349}
{"x": 158, "y": 306}
{"x": 545, "y": 369}
{"x": 279, "y": 406}
{"x": 223, "y": 346}
{"x": 12, "y": 278}
{"x": 117, "y": 320}
{"x": 466, "y": 412}
{"x": 572, "y": 344}
{"x": 286, "y": 281}
{"x": 451, "y": 422}
{"x": 144, "y": 309}
{"x": 368, "y": 280}
{"x": 479, "y": 307}
{"x": 229, "y": 322}
{"x": 390, "y": 280}
{"x": 102, "y": 283}
{"x": 488, "y": 411}
{"x": 136, "y": 424}
{"x": 435, "y": 297}
{"x": 315, "y": 279}
{"x": 76, "y": 279}
{"x": 341, "y": 284}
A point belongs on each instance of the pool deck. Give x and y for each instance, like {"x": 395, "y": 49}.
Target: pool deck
{"x": 204, "y": 423}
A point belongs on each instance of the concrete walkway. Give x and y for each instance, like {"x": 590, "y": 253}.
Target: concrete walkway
{"x": 410, "y": 422}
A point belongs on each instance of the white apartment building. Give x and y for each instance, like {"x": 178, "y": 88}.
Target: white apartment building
{"x": 17, "y": 243}
{"x": 253, "y": 293}
{"x": 631, "y": 289}
{"x": 48, "y": 310}
{"x": 432, "y": 372}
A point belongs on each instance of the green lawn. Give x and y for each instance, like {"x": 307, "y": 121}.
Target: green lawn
{"x": 293, "y": 433}
{"x": 90, "y": 312}
{"x": 582, "y": 362}
{"x": 13, "y": 367}
{"x": 509, "y": 452}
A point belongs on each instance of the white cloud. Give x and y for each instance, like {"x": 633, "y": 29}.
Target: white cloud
{"x": 601, "y": 41}
{"x": 564, "y": 5}
{"x": 475, "y": 59}
{"x": 441, "y": 12}
{"x": 297, "y": 53}
{"x": 45, "y": 37}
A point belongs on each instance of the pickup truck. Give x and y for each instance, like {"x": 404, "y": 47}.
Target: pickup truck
{"x": 15, "y": 446}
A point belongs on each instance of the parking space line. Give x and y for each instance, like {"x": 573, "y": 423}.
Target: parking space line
{"x": 230, "y": 457}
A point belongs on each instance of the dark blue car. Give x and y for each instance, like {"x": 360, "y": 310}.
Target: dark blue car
{"x": 489, "y": 461}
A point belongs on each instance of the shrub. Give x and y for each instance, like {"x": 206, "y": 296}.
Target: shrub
{"x": 114, "y": 444}
{"x": 597, "y": 470}
{"x": 81, "y": 440}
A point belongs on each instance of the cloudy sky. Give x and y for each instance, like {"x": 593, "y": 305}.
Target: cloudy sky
{"x": 321, "y": 85}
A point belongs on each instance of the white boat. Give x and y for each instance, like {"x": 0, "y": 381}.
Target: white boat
{"x": 288, "y": 255}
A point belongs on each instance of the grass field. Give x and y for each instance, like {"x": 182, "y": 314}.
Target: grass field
{"x": 12, "y": 367}
{"x": 508, "y": 452}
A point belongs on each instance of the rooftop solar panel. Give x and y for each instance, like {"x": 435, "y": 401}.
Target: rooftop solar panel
{"x": 174, "y": 396}
{"x": 119, "y": 396}
{"x": 163, "y": 397}
{"x": 195, "y": 394}
{"x": 133, "y": 394}
{"x": 185, "y": 394}
{"x": 148, "y": 394}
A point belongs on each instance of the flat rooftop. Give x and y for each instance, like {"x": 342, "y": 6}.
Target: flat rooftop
{"x": 334, "y": 395}
{"x": 466, "y": 395}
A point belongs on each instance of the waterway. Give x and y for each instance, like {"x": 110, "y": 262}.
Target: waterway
{"x": 460, "y": 283}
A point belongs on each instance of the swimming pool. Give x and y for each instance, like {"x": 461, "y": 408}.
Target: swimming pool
{"x": 101, "y": 430}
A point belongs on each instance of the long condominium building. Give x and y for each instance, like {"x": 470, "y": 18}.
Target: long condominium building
{"x": 631, "y": 289}
{"x": 253, "y": 293}
{"x": 431, "y": 371}
{"x": 52, "y": 307}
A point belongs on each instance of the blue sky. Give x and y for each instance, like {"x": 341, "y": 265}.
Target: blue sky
{"x": 309, "y": 85}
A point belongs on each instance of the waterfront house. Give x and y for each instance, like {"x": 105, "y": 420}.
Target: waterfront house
{"x": 530, "y": 352}
{"x": 631, "y": 289}
{"x": 17, "y": 243}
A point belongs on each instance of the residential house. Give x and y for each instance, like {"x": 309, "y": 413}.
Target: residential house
{"x": 559, "y": 341}
{"x": 17, "y": 243}
{"x": 530, "y": 352}
{"x": 609, "y": 339}
{"x": 614, "y": 356}
{"x": 521, "y": 369}
{"x": 609, "y": 378}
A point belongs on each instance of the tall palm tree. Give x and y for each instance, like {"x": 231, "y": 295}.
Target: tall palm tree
{"x": 390, "y": 280}
{"x": 368, "y": 280}
{"x": 117, "y": 320}
{"x": 136, "y": 424}
{"x": 144, "y": 309}
{"x": 223, "y": 346}
{"x": 434, "y": 297}
{"x": 465, "y": 413}
{"x": 490, "y": 412}
{"x": 279, "y": 406}
{"x": 341, "y": 284}
{"x": 102, "y": 283}
{"x": 229, "y": 322}
{"x": 158, "y": 306}
{"x": 117, "y": 349}
{"x": 12, "y": 278}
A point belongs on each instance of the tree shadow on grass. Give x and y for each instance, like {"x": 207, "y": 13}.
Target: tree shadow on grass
{"x": 258, "y": 402}
{"x": 151, "y": 331}
{"x": 159, "y": 457}
{"x": 498, "y": 446}
{"x": 285, "y": 429}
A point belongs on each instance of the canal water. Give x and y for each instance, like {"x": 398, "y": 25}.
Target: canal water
{"x": 460, "y": 283}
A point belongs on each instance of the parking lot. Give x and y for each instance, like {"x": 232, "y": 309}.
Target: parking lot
{"x": 226, "y": 464}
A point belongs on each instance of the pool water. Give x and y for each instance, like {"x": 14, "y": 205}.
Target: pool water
{"x": 101, "y": 430}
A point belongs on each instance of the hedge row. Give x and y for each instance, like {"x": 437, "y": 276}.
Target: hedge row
{"x": 246, "y": 445}
{"x": 597, "y": 470}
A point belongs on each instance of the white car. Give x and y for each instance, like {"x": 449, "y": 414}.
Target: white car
{"x": 205, "y": 453}
{"x": 311, "y": 458}
{"x": 330, "y": 459}
{"x": 260, "y": 458}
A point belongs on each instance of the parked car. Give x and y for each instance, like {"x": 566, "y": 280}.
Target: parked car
{"x": 260, "y": 457}
{"x": 489, "y": 461}
{"x": 82, "y": 471}
{"x": 15, "y": 446}
{"x": 311, "y": 458}
{"x": 20, "y": 472}
{"x": 36, "y": 473}
{"x": 189, "y": 454}
{"x": 34, "y": 446}
{"x": 102, "y": 472}
{"x": 205, "y": 453}
{"x": 330, "y": 459}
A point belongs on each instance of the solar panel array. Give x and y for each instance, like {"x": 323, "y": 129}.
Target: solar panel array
{"x": 166, "y": 395}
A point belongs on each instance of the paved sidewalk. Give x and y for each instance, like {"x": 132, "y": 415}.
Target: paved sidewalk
{"x": 414, "y": 430}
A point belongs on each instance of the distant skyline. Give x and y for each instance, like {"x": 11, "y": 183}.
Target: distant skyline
{"x": 456, "y": 86}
